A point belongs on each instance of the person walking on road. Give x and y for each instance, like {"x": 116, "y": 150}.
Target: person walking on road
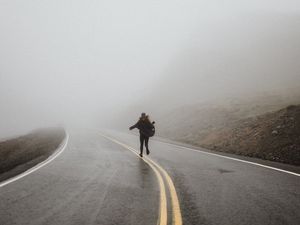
{"x": 146, "y": 129}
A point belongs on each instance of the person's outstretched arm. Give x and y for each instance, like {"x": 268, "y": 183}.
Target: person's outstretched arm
{"x": 134, "y": 126}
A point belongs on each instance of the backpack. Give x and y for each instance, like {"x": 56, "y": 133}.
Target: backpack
{"x": 152, "y": 131}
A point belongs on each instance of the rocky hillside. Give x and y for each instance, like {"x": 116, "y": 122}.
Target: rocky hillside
{"x": 272, "y": 136}
{"x": 19, "y": 154}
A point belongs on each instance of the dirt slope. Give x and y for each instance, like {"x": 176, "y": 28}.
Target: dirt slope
{"x": 19, "y": 154}
{"x": 272, "y": 136}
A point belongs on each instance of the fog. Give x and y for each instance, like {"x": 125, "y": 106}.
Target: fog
{"x": 85, "y": 63}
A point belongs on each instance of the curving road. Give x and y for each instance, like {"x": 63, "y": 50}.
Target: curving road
{"x": 100, "y": 180}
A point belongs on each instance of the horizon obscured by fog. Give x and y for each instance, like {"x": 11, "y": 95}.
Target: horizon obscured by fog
{"x": 85, "y": 63}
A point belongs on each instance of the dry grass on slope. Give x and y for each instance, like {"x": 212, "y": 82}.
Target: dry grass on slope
{"x": 19, "y": 154}
{"x": 273, "y": 136}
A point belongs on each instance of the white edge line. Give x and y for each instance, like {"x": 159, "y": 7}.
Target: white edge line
{"x": 58, "y": 151}
{"x": 227, "y": 157}
{"x": 235, "y": 159}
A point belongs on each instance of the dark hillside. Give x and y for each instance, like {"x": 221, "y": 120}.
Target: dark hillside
{"x": 19, "y": 154}
{"x": 272, "y": 136}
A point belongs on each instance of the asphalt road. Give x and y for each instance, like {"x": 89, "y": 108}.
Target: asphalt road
{"x": 101, "y": 181}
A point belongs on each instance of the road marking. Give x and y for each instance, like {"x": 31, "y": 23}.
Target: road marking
{"x": 163, "y": 215}
{"x": 177, "y": 219}
{"x": 235, "y": 159}
{"x": 59, "y": 150}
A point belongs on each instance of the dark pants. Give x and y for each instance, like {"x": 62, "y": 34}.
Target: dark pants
{"x": 143, "y": 139}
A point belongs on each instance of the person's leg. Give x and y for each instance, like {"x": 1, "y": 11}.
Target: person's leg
{"x": 146, "y": 144}
{"x": 142, "y": 144}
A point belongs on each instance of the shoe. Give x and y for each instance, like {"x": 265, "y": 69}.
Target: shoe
{"x": 148, "y": 152}
{"x": 141, "y": 155}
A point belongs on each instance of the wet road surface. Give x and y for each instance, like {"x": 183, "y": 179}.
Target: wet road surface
{"x": 99, "y": 181}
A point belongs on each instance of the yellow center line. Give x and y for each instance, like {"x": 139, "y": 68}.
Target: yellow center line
{"x": 177, "y": 218}
{"x": 163, "y": 218}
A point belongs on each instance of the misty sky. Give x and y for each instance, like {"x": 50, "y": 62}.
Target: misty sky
{"x": 82, "y": 61}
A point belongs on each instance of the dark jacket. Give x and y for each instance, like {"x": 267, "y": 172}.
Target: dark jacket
{"x": 145, "y": 127}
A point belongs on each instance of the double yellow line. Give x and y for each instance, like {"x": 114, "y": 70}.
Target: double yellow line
{"x": 160, "y": 173}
